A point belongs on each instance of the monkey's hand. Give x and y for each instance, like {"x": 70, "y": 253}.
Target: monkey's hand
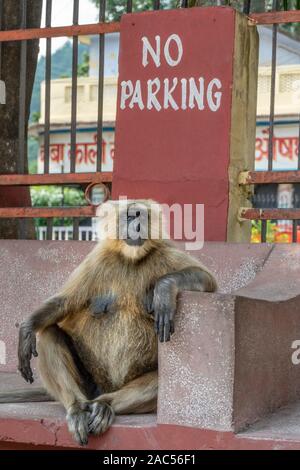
{"x": 164, "y": 306}
{"x": 26, "y": 349}
{"x": 101, "y": 305}
{"x": 148, "y": 301}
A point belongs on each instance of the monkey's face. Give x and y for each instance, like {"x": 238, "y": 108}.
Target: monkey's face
{"x": 132, "y": 226}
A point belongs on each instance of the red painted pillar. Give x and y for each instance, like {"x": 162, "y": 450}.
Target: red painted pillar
{"x": 174, "y": 111}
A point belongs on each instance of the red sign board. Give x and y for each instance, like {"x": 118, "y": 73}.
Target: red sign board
{"x": 174, "y": 110}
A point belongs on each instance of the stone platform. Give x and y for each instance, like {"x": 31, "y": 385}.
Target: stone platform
{"x": 226, "y": 380}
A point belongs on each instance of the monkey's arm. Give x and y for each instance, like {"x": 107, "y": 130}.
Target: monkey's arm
{"x": 52, "y": 311}
{"x": 73, "y": 297}
{"x": 167, "y": 287}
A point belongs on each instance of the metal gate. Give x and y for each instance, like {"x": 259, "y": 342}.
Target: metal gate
{"x": 101, "y": 28}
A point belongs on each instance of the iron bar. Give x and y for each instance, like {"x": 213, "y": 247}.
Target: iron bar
{"x": 100, "y": 87}
{"x": 298, "y": 153}
{"x": 272, "y": 99}
{"x": 75, "y": 228}
{"x": 47, "y": 91}
{"x": 295, "y": 222}
{"x": 22, "y": 124}
{"x": 295, "y": 228}
{"x": 22, "y": 93}
{"x": 246, "y": 7}
{"x": 129, "y": 6}
{"x": 49, "y": 232}
{"x": 1, "y": 16}
{"x": 272, "y": 109}
{"x": 74, "y": 90}
{"x": 263, "y": 231}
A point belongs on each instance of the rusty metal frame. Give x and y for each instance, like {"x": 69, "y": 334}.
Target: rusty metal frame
{"x": 246, "y": 213}
{"x": 269, "y": 177}
{"x": 21, "y": 179}
{"x": 44, "y": 212}
{"x": 101, "y": 28}
{"x": 55, "y": 178}
{"x": 59, "y": 31}
{"x": 273, "y": 18}
{"x": 269, "y": 18}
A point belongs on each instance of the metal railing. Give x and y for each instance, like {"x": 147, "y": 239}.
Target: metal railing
{"x": 66, "y": 233}
{"x": 23, "y": 35}
{"x": 274, "y": 18}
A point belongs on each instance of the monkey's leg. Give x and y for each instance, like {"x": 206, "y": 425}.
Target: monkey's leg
{"x": 63, "y": 380}
{"x": 138, "y": 396}
{"x": 52, "y": 311}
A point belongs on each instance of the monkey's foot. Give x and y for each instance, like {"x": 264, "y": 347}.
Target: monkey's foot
{"x": 77, "y": 420}
{"x": 100, "y": 418}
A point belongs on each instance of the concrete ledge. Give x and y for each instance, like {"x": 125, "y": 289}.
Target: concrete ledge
{"x": 227, "y": 366}
{"x": 230, "y": 362}
{"x": 32, "y": 271}
{"x": 43, "y": 426}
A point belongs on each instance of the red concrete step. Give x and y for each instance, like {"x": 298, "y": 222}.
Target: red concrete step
{"x": 42, "y": 426}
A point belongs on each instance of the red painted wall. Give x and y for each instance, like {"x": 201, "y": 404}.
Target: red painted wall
{"x": 177, "y": 155}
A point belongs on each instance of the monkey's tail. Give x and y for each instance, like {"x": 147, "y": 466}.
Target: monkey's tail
{"x": 25, "y": 396}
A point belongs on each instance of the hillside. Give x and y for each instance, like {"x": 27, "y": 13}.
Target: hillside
{"x": 61, "y": 67}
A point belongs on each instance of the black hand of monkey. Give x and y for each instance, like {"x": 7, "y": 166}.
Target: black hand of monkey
{"x": 164, "y": 305}
{"x": 26, "y": 349}
{"x": 148, "y": 301}
{"x": 100, "y": 305}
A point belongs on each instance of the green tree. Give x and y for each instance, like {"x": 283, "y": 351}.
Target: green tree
{"x": 84, "y": 67}
{"x": 292, "y": 28}
{"x": 116, "y": 8}
{"x": 61, "y": 68}
{"x": 55, "y": 196}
